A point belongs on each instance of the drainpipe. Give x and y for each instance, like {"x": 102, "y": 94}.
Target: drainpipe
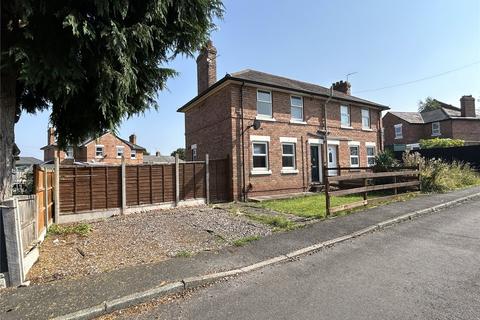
{"x": 325, "y": 140}
{"x": 244, "y": 198}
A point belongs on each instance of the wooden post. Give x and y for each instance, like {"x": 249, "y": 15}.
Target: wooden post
{"x": 365, "y": 193}
{"x": 395, "y": 181}
{"x": 327, "y": 190}
{"x": 57, "y": 189}
{"x": 207, "y": 179}
{"x": 124, "y": 186}
{"x": 177, "y": 180}
{"x": 45, "y": 195}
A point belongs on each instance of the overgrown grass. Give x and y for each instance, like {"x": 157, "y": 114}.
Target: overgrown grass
{"x": 308, "y": 206}
{"x": 277, "y": 222}
{"x": 246, "y": 240}
{"x": 82, "y": 229}
{"x": 184, "y": 254}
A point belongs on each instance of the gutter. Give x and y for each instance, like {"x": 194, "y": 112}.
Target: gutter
{"x": 244, "y": 196}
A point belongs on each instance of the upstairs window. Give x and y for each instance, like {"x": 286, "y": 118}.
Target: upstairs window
{"x": 436, "y": 129}
{"x": 260, "y": 156}
{"x": 345, "y": 116}
{"x": 366, "y": 119}
{"x": 120, "y": 150}
{"x": 99, "y": 151}
{"x": 288, "y": 156}
{"x": 296, "y": 108}
{"x": 370, "y": 156}
{"x": 69, "y": 153}
{"x": 398, "y": 131}
{"x": 354, "y": 162}
{"x": 264, "y": 103}
{"x": 133, "y": 154}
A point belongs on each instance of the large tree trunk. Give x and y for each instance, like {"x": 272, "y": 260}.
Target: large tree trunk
{"x": 7, "y": 134}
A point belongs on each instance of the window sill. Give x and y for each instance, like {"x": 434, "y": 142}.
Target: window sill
{"x": 260, "y": 172}
{"x": 398, "y": 138}
{"x": 298, "y": 122}
{"x": 265, "y": 118}
{"x": 367, "y": 129}
{"x": 436, "y": 135}
{"x": 346, "y": 127}
{"x": 289, "y": 171}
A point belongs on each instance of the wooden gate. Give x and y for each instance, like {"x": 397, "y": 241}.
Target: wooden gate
{"x": 44, "y": 181}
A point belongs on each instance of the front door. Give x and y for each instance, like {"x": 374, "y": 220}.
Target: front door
{"x": 315, "y": 163}
{"x": 332, "y": 160}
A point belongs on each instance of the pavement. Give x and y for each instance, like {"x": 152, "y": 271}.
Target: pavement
{"x": 427, "y": 268}
{"x": 68, "y": 296}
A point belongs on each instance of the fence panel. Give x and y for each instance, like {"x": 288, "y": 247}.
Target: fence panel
{"x": 3, "y": 249}
{"x": 44, "y": 181}
{"x": 219, "y": 180}
{"x": 27, "y": 208}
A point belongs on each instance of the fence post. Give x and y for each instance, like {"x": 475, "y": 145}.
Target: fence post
{"x": 365, "y": 193}
{"x": 327, "y": 191}
{"x": 124, "y": 186}
{"x": 207, "y": 178}
{"x": 13, "y": 241}
{"x": 56, "y": 190}
{"x": 45, "y": 195}
{"x": 177, "y": 180}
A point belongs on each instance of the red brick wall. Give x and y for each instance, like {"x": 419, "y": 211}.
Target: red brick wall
{"x": 411, "y": 132}
{"x": 468, "y": 130}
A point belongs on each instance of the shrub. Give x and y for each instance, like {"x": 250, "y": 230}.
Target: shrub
{"x": 384, "y": 161}
{"x": 440, "y": 143}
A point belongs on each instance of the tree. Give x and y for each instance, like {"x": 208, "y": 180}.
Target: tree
{"x": 428, "y": 105}
{"x": 92, "y": 62}
{"x": 181, "y": 153}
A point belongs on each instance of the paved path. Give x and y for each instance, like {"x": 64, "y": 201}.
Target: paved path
{"x": 428, "y": 268}
{"x": 66, "y": 296}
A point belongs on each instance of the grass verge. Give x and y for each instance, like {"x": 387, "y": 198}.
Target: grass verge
{"x": 278, "y": 223}
{"x": 82, "y": 229}
{"x": 246, "y": 240}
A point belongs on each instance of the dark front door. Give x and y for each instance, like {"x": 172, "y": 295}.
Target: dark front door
{"x": 315, "y": 163}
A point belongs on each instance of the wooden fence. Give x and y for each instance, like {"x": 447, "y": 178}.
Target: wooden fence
{"x": 92, "y": 188}
{"x": 363, "y": 180}
{"x": 44, "y": 191}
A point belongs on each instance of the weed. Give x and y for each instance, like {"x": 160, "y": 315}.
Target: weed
{"x": 82, "y": 229}
{"x": 184, "y": 254}
{"x": 243, "y": 241}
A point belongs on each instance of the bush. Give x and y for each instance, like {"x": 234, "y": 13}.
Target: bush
{"x": 440, "y": 143}
{"x": 384, "y": 161}
{"x": 439, "y": 176}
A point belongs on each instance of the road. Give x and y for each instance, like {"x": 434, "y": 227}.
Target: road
{"x": 428, "y": 268}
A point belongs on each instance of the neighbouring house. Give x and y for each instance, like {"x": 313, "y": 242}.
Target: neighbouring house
{"x": 158, "y": 158}
{"x": 403, "y": 130}
{"x": 108, "y": 148}
{"x": 21, "y": 180}
{"x": 285, "y": 155}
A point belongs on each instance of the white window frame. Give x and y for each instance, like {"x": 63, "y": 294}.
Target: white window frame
{"x": 292, "y": 169}
{"x": 368, "y": 113}
{"x": 436, "y": 131}
{"x": 349, "y": 112}
{"x": 354, "y": 156}
{"x": 371, "y": 146}
{"x": 398, "y": 135}
{"x": 97, "y": 146}
{"x": 69, "y": 150}
{"x": 133, "y": 154}
{"x": 265, "y": 116}
{"x": 292, "y": 106}
{"x": 261, "y": 170}
{"x": 117, "y": 148}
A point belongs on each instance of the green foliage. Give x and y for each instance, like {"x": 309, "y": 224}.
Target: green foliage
{"x": 384, "y": 161}
{"x": 439, "y": 176}
{"x": 428, "y": 105}
{"x": 440, "y": 143}
{"x": 98, "y": 62}
{"x": 246, "y": 240}
{"x": 82, "y": 229}
{"x": 181, "y": 153}
{"x": 277, "y": 222}
{"x": 184, "y": 254}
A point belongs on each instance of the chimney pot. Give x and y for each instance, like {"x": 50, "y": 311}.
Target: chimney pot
{"x": 342, "y": 86}
{"x": 158, "y": 154}
{"x": 467, "y": 106}
{"x": 133, "y": 139}
{"x": 206, "y": 67}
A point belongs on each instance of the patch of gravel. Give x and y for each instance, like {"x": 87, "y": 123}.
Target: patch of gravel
{"x": 140, "y": 238}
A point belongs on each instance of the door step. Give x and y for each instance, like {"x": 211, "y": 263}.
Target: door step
{"x": 317, "y": 187}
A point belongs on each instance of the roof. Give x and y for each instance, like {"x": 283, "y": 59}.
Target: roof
{"x": 27, "y": 161}
{"x": 89, "y": 140}
{"x": 411, "y": 117}
{"x": 262, "y": 78}
{"x": 158, "y": 159}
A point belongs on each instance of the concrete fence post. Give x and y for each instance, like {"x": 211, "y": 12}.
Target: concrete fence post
{"x": 207, "y": 178}
{"x": 124, "y": 186}
{"x": 177, "y": 180}
{"x": 13, "y": 241}
{"x": 56, "y": 190}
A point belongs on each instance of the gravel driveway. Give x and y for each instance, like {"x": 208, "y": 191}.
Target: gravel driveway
{"x": 140, "y": 238}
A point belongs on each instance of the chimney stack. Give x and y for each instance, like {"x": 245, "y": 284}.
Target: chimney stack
{"x": 51, "y": 136}
{"x": 342, "y": 86}
{"x": 206, "y": 67}
{"x": 133, "y": 139}
{"x": 467, "y": 106}
{"x": 158, "y": 154}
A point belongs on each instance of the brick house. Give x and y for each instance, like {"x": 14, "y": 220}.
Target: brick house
{"x": 105, "y": 149}
{"x": 404, "y": 129}
{"x": 285, "y": 155}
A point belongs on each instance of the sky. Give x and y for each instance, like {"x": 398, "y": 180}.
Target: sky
{"x": 385, "y": 42}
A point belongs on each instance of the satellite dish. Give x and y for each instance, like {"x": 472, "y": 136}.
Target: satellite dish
{"x": 256, "y": 124}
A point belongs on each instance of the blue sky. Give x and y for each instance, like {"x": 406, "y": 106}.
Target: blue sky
{"x": 319, "y": 41}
